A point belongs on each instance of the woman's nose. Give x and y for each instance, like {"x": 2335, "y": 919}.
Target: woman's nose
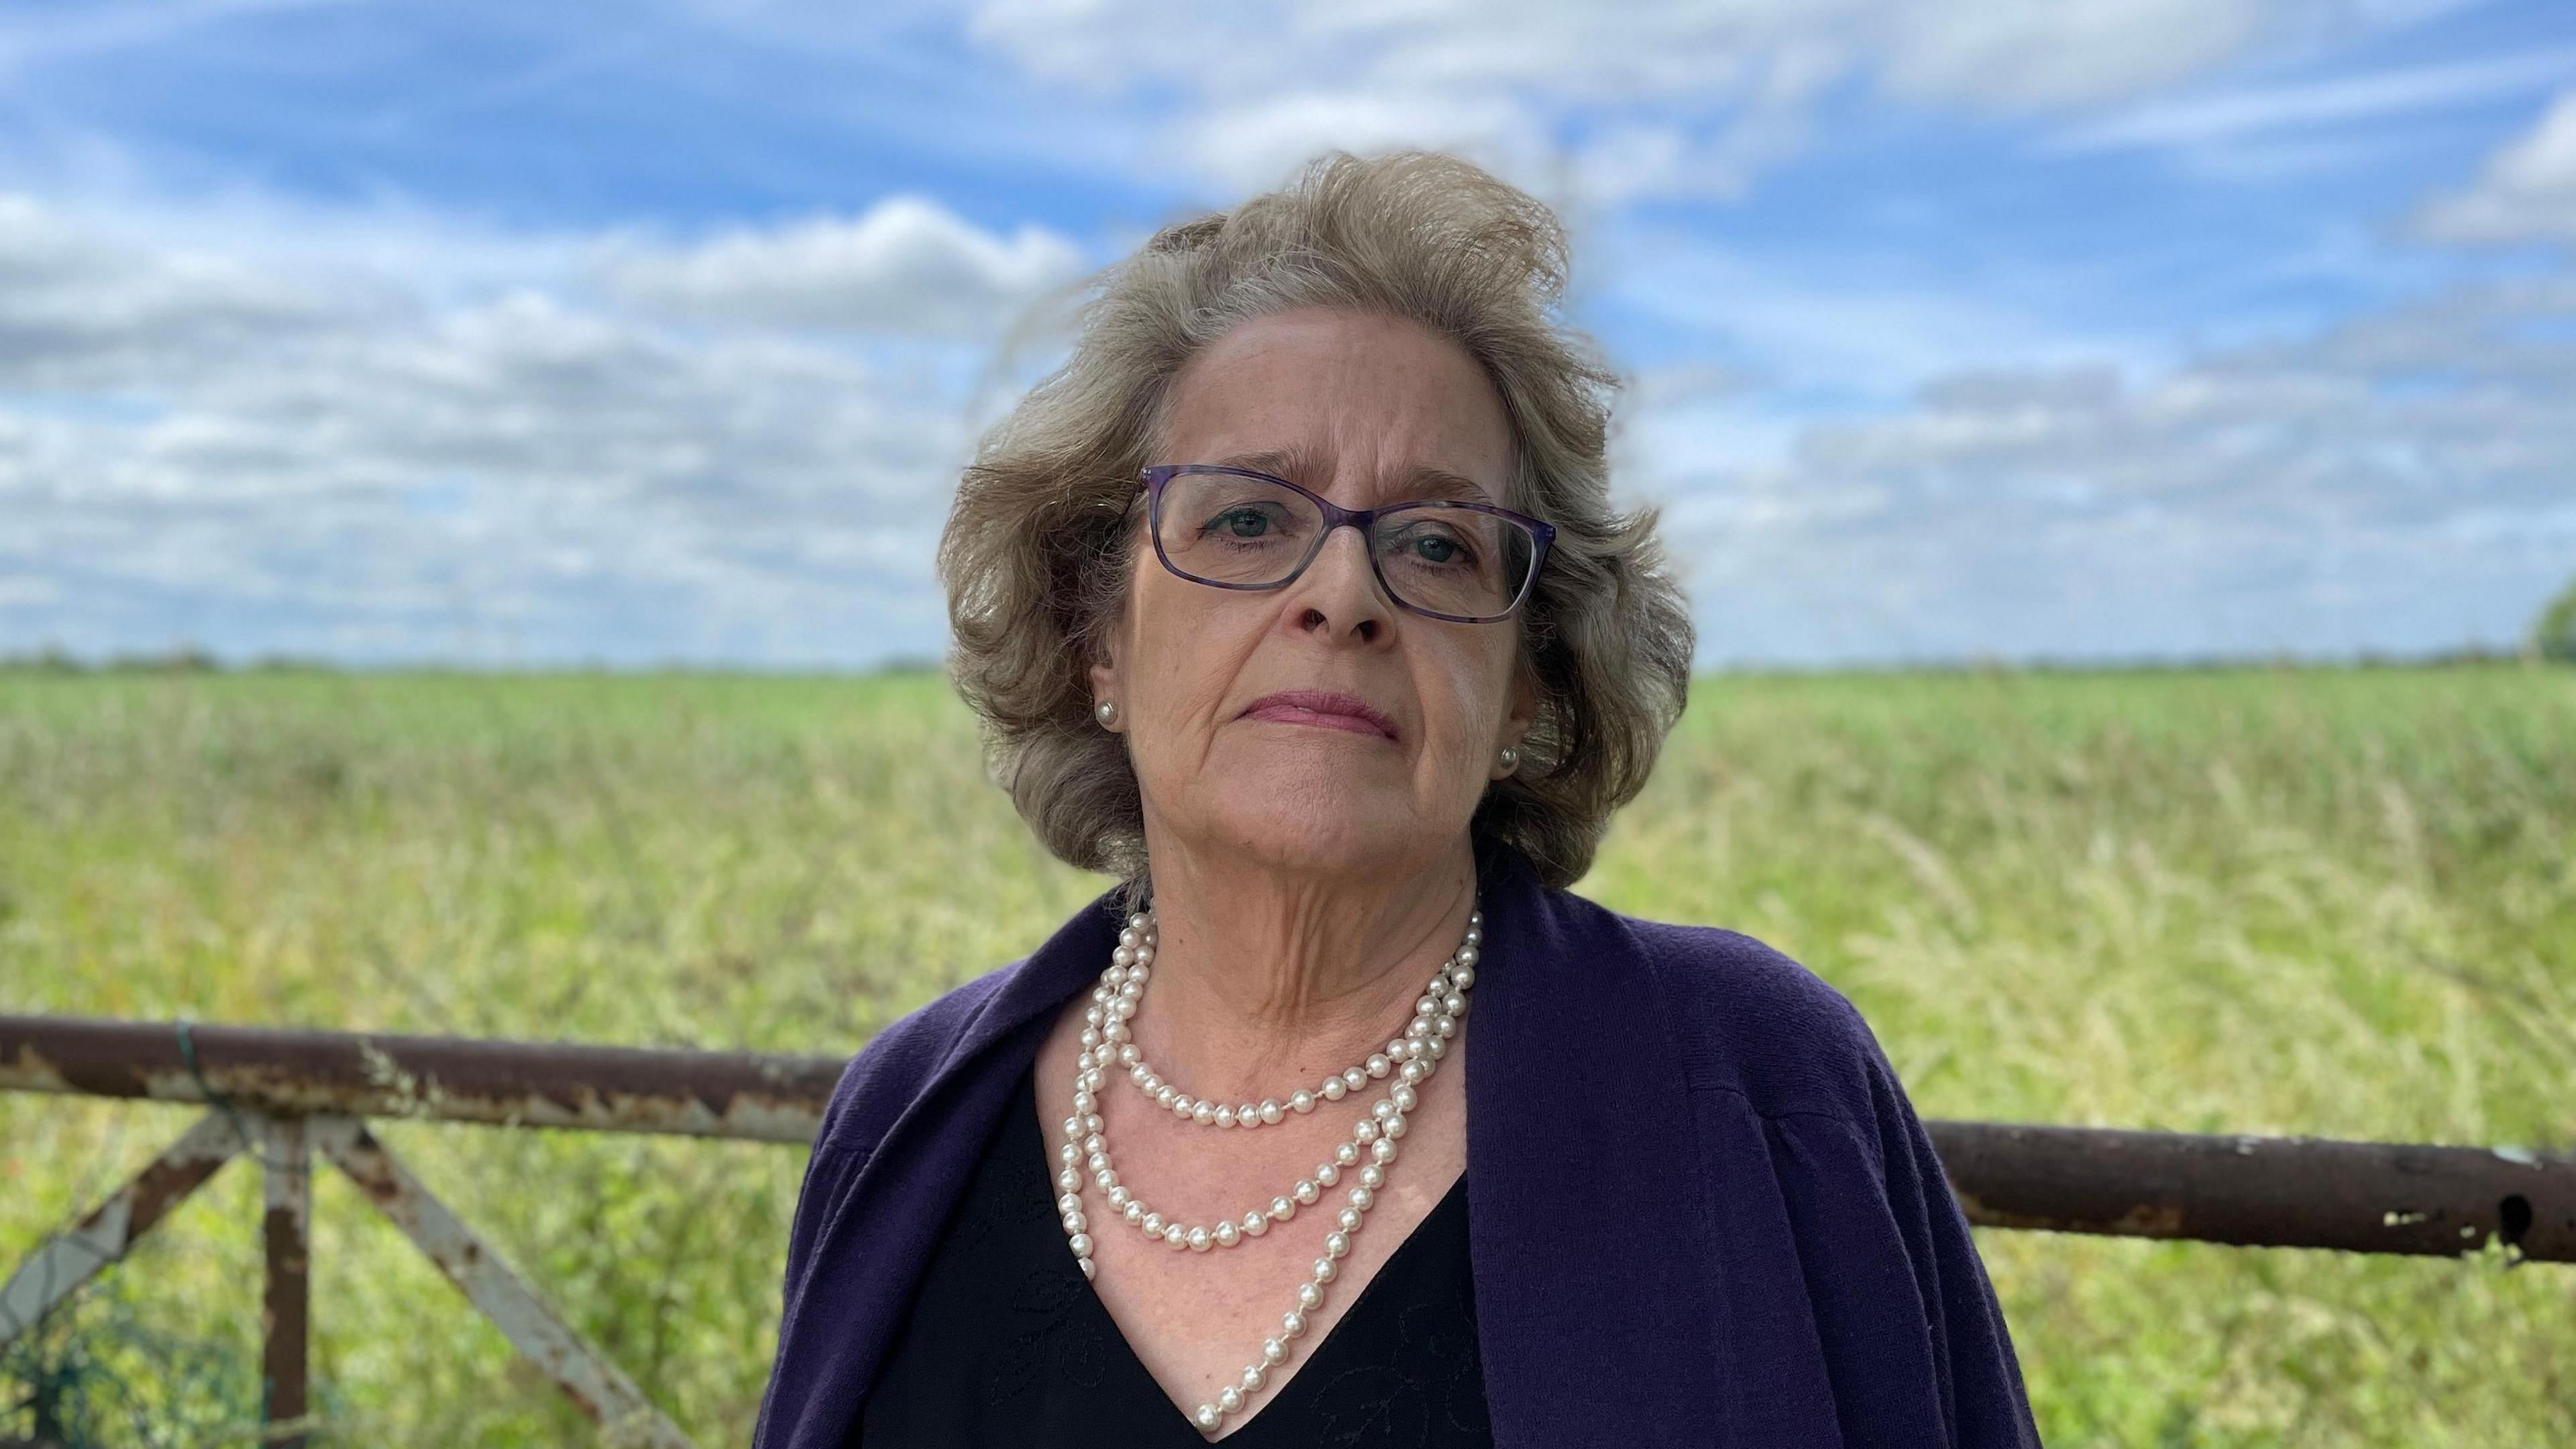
{"x": 1340, "y": 591}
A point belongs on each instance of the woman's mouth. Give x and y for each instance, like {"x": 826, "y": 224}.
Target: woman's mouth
{"x": 1322, "y": 708}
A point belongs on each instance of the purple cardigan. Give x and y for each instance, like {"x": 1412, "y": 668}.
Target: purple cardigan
{"x": 1701, "y": 1210}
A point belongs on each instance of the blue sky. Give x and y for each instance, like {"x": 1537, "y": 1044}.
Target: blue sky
{"x": 1952, "y": 328}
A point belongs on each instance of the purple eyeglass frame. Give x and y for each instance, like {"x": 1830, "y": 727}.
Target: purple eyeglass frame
{"x": 1542, "y": 534}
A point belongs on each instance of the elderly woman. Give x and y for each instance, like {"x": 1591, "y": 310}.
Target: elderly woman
{"x": 1296, "y": 600}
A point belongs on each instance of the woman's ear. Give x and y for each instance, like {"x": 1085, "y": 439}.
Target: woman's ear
{"x": 1522, "y": 710}
{"x": 1105, "y": 647}
{"x": 1104, "y": 690}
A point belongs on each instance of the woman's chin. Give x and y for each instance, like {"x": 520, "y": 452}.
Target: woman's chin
{"x": 1321, "y": 830}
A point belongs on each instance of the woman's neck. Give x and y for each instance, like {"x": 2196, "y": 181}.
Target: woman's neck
{"x": 1264, "y": 979}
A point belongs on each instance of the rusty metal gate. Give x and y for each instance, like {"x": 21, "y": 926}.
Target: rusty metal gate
{"x": 284, "y": 1096}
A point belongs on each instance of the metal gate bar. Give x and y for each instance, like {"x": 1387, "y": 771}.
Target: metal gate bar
{"x": 2289, "y": 1192}
{"x": 286, "y": 1304}
{"x": 107, "y": 1233}
{"x": 288, "y": 1094}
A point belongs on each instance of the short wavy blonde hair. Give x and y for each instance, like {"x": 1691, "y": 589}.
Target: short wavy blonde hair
{"x": 1038, "y": 549}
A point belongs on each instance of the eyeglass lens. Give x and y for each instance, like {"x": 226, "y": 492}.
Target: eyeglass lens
{"x": 1230, "y": 529}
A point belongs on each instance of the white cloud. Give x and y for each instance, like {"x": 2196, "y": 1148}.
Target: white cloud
{"x": 2525, "y": 192}
{"x": 1827, "y": 325}
{"x": 1661, "y": 97}
{"x": 2224, "y": 122}
{"x": 2044, "y": 54}
{"x": 907, "y": 265}
{"x": 82, "y": 310}
{"x": 277, "y": 465}
{"x": 1257, "y": 141}
{"x": 274, "y": 462}
{"x": 2398, "y": 482}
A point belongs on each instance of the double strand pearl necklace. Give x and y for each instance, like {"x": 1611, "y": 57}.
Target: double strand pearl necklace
{"x": 1107, "y": 1041}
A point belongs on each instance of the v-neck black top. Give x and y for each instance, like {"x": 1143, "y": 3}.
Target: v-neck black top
{"x": 1007, "y": 1345}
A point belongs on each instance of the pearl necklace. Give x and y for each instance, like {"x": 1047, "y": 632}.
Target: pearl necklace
{"x": 1107, "y": 1040}
{"x": 1130, "y": 965}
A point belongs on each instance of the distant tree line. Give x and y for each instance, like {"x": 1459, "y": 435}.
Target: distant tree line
{"x": 2553, "y": 638}
{"x": 2553, "y": 634}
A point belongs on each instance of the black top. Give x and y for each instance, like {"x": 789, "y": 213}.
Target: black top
{"x": 1008, "y": 1345}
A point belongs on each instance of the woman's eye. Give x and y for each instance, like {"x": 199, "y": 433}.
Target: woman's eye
{"x": 1243, "y": 523}
{"x": 1433, "y": 547}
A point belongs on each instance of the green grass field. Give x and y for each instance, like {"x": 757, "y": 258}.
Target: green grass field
{"x": 2273, "y": 901}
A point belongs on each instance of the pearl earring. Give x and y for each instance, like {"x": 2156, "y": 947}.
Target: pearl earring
{"x": 1105, "y": 712}
{"x": 1511, "y": 759}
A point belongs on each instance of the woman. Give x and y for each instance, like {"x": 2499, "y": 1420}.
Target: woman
{"x": 1228, "y": 1157}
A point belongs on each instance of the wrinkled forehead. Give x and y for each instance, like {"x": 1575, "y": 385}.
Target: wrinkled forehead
{"x": 1362, "y": 408}
{"x": 1397, "y": 481}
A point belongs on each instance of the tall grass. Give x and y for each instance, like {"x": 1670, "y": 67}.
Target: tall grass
{"x": 2328, "y": 902}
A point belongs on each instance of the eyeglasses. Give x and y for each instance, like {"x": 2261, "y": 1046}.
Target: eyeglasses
{"x": 1233, "y": 528}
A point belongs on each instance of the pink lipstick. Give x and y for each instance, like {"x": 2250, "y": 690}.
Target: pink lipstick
{"x": 1324, "y": 708}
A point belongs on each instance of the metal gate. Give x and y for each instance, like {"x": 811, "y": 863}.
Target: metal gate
{"x": 285, "y": 1096}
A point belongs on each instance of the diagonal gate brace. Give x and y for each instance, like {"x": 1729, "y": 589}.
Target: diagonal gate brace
{"x": 109, "y": 1231}
{"x": 576, "y": 1365}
